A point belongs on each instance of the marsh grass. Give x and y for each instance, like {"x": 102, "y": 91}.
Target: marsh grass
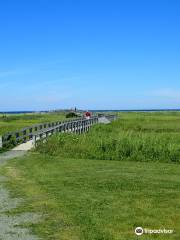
{"x": 83, "y": 196}
{"x": 12, "y": 122}
{"x": 143, "y": 137}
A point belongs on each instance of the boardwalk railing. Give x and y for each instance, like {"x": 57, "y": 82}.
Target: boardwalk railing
{"x": 36, "y": 132}
{"x": 75, "y": 126}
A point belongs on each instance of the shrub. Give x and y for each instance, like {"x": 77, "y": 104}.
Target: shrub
{"x": 71, "y": 115}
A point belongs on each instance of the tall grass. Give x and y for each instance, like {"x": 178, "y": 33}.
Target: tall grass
{"x": 143, "y": 137}
{"x": 12, "y": 122}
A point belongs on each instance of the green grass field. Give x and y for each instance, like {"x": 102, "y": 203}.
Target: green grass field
{"x": 12, "y": 122}
{"x": 133, "y": 137}
{"x": 102, "y": 185}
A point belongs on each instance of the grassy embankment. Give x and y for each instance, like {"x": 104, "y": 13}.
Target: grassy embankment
{"x": 100, "y": 199}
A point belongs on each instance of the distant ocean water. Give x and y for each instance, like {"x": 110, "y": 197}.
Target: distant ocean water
{"x": 100, "y": 110}
{"x": 15, "y": 112}
{"x": 136, "y": 110}
{"x": 19, "y": 112}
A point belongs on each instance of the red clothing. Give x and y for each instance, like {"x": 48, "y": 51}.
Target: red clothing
{"x": 87, "y": 114}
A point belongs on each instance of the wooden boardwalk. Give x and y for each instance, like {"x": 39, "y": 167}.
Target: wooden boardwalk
{"x": 26, "y": 138}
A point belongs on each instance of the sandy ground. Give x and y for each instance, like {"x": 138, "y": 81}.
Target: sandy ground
{"x": 103, "y": 120}
{"x": 24, "y": 146}
{"x": 10, "y": 225}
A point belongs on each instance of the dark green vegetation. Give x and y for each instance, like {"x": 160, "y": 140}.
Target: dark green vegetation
{"x": 84, "y": 197}
{"x": 12, "y": 122}
{"x": 142, "y": 137}
{"x": 71, "y": 115}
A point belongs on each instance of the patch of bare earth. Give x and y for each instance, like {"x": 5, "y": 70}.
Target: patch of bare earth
{"x": 11, "y": 226}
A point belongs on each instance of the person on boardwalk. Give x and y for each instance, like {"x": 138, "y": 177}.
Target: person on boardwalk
{"x": 87, "y": 115}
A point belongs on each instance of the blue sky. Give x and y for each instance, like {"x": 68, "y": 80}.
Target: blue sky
{"x": 93, "y": 54}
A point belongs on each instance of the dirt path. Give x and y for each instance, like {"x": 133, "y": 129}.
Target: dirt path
{"x": 10, "y": 154}
{"x": 10, "y": 225}
{"x": 24, "y": 146}
{"x": 103, "y": 120}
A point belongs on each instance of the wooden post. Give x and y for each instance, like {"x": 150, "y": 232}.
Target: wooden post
{"x": 76, "y": 127}
{"x": 84, "y": 129}
{"x": 30, "y": 131}
{"x": 80, "y": 130}
{"x": 1, "y": 142}
{"x": 71, "y": 127}
{"x": 24, "y": 135}
{"x": 34, "y": 141}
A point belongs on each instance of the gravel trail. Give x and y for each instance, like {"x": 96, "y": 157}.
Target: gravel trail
{"x": 10, "y": 225}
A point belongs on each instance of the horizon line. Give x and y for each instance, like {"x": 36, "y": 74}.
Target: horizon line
{"x": 120, "y": 110}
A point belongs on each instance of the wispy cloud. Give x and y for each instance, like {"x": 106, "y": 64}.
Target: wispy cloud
{"x": 53, "y": 97}
{"x": 64, "y": 80}
{"x": 36, "y": 67}
{"x": 15, "y": 72}
{"x": 167, "y": 93}
{"x": 8, "y": 73}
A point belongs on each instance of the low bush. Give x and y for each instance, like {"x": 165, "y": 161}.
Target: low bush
{"x": 71, "y": 115}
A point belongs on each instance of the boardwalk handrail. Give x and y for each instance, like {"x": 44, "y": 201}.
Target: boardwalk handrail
{"x": 26, "y": 134}
{"x": 38, "y": 131}
{"x": 76, "y": 126}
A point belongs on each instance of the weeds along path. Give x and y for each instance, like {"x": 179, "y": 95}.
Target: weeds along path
{"x": 11, "y": 225}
